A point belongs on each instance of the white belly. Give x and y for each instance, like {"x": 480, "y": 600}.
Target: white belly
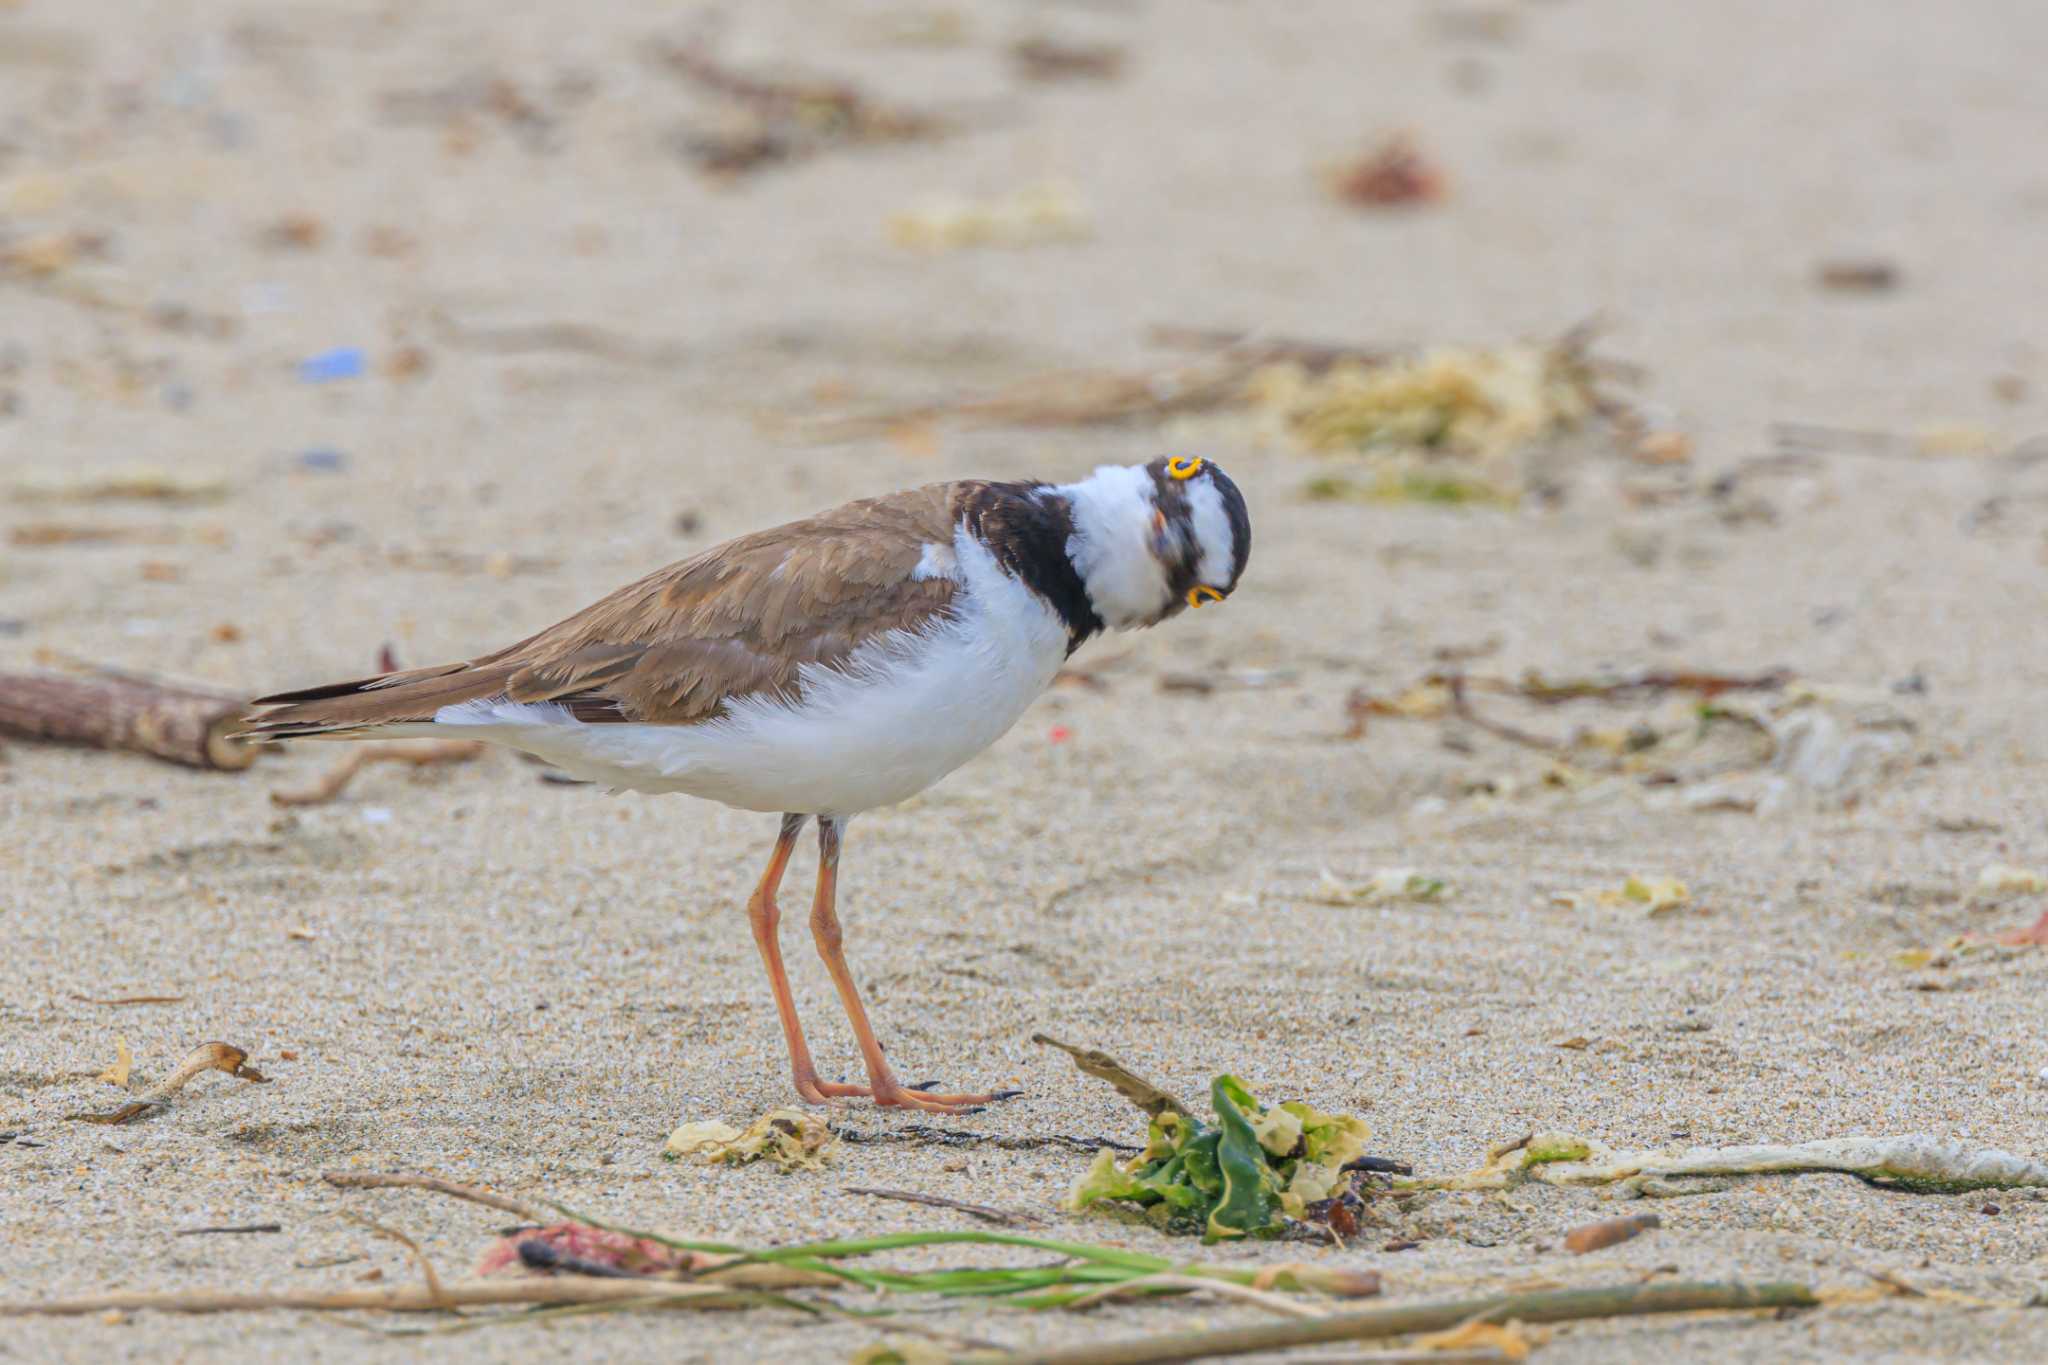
{"x": 904, "y": 712}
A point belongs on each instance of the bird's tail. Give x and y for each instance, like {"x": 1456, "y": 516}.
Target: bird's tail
{"x": 366, "y": 707}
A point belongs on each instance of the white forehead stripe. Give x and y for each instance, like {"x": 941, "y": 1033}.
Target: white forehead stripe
{"x": 1213, "y": 538}
{"x": 1113, "y": 510}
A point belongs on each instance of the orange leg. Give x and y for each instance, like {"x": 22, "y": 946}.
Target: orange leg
{"x": 764, "y": 915}
{"x": 882, "y": 1083}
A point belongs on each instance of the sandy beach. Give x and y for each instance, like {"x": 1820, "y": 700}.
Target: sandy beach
{"x": 432, "y": 309}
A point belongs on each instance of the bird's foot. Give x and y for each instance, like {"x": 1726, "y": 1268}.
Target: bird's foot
{"x": 895, "y": 1096}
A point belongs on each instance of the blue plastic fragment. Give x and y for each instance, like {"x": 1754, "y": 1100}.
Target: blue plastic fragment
{"x": 324, "y": 460}
{"x": 343, "y": 362}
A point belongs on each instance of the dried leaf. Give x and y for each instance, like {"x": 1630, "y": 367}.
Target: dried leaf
{"x": 1131, "y": 1086}
{"x": 1508, "y": 1340}
{"x": 1392, "y": 173}
{"x": 791, "y": 1138}
{"x": 117, "y": 1074}
{"x": 1659, "y": 894}
{"x": 1033, "y": 216}
{"x": 1388, "y": 884}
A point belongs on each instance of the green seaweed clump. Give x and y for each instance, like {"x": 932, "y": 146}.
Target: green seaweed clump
{"x": 1248, "y": 1174}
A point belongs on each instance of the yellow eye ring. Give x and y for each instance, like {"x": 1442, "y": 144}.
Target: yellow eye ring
{"x": 1183, "y": 467}
{"x": 1201, "y": 593}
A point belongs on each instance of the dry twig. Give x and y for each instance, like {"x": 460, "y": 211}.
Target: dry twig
{"x": 400, "y": 1299}
{"x": 389, "y": 1180}
{"x": 341, "y": 774}
{"x": 1242, "y": 1293}
{"x": 206, "y": 1057}
{"x": 427, "y": 1271}
{"x": 1564, "y": 1305}
{"x": 985, "y": 1212}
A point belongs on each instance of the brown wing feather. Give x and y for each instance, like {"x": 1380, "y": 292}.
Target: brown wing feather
{"x": 673, "y": 648}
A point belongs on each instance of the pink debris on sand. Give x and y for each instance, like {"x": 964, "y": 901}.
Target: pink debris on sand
{"x": 586, "y": 1245}
{"x": 2034, "y": 935}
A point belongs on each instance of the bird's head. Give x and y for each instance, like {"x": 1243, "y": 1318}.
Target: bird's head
{"x": 1153, "y": 540}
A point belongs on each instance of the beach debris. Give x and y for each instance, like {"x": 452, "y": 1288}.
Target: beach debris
{"x": 2034, "y": 935}
{"x": 1070, "y": 398}
{"x": 1913, "y": 1161}
{"x": 1393, "y": 172}
{"x": 632, "y": 1269}
{"x": 987, "y": 1213}
{"x": 415, "y": 754}
{"x": 1047, "y": 60}
{"x": 232, "y": 1229}
{"x": 46, "y": 534}
{"x": 206, "y": 1057}
{"x": 1657, "y": 895}
{"x": 1935, "y": 439}
{"x": 1704, "y": 749}
{"x": 791, "y": 1138}
{"x": 1248, "y": 1174}
{"x": 107, "y": 708}
{"x": 339, "y": 362}
{"x": 293, "y": 232}
{"x": 132, "y": 483}
{"x": 1499, "y": 1340}
{"x": 926, "y": 1135}
{"x": 776, "y": 120}
{"x": 1387, "y": 884}
{"x": 578, "y": 1248}
{"x": 1609, "y": 1232}
{"x": 1033, "y": 216}
{"x": 394, "y": 1180}
{"x": 2000, "y": 880}
{"x": 1443, "y": 425}
{"x": 460, "y": 108}
{"x": 519, "y": 338}
{"x": 1133, "y": 1087}
{"x": 1850, "y": 275}
{"x": 1404, "y": 1319}
{"x": 423, "y": 1298}
{"x": 124, "y": 1061}
{"x": 128, "y": 999}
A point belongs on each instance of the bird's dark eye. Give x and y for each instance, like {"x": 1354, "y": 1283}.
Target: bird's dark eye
{"x": 1201, "y": 593}
{"x": 1183, "y": 467}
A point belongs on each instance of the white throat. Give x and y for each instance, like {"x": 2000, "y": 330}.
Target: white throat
{"x": 1113, "y": 511}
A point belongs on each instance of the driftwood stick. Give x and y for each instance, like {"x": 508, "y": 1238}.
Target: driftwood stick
{"x": 108, "y": 710}
{"x": 398, "y": 1299}
{"x": 1563, "y": 1305}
